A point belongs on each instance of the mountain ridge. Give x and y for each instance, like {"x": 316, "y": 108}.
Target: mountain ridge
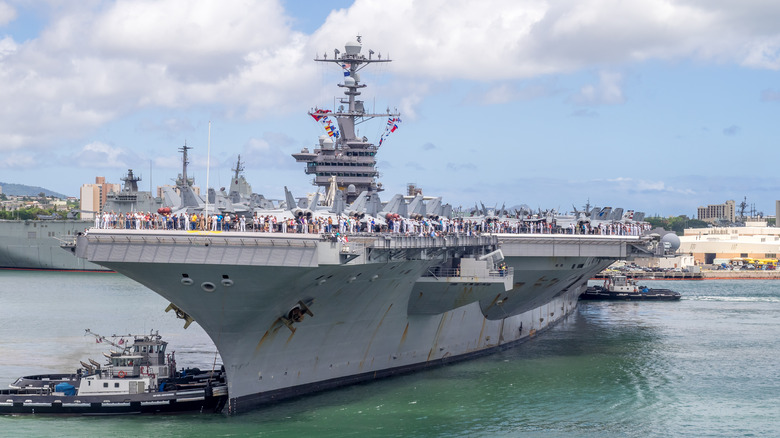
{"x": 25, "y": 190}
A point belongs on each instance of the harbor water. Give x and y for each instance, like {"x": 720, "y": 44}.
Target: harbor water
{"x": 708, "y": 365}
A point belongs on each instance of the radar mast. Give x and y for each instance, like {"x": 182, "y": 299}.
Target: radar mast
{"x": 341, "y": 153}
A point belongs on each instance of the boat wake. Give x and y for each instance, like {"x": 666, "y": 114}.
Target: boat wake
{"x": 733, "y": 299}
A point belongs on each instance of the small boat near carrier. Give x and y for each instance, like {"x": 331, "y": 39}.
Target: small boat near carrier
{"x": 620, "y": 287}
{"x": 140, "y": 377}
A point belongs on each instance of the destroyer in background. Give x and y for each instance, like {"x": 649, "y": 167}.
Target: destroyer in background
{"x": 294, "y": 313}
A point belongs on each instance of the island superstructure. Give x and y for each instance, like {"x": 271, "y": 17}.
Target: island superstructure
{"x": 342, "y": 155}
{"x": 297, "y": 313}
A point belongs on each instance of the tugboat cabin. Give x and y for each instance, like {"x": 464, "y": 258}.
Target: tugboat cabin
{"x": 126, "y": 366}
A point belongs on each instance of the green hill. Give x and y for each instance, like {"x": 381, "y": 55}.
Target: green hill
{"x": 23, "y": 190}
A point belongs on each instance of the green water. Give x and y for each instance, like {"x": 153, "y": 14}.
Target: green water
{"x": 704, "y": 366}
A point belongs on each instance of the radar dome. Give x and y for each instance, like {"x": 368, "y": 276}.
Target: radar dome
{"x": 351, "y": 190}
{"x": 352, "y": 48}
{"x": 323, "y": 137}
{"x": 349, "y": 81}
{"x": 327, "y": 143}
{"x": 672, "y": 239}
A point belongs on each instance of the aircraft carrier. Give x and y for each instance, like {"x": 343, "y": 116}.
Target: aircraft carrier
{"x": 295, "y": 313}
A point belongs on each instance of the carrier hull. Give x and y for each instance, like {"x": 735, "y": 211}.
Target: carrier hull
{"x": 240, "y": 288}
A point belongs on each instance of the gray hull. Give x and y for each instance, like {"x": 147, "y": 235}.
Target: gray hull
{"x": 367, "y": 321}
{"x": 33, "y": 244}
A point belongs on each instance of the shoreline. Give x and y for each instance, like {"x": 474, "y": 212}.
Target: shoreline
{"x": 704, "y": 275}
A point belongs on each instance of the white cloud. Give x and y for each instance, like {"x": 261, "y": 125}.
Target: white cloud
{"x": 101, "y": 155}
{"x": 7, "y": 13}
{"x": 506, "y": 92}
{"x": 272, "y": 151}
{"x": 631, "y": 185}
{"x": 18, "y": 160}
{"x": 7, "y": 47}
{"x": 509, "y": 39}
{"x": 170, "y": 128}
{"x": 608, "y": 91}
{"x": 95, "y": 61}
{"x": 168, "y": 161}
{"x": 764, "y": 54}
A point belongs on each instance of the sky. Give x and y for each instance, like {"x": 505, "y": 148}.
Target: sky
{"x": 652, "y": 105}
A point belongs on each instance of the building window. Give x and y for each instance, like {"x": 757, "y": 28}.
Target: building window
{"x": 743, "y": 255}
{"x": 771, "y": 255}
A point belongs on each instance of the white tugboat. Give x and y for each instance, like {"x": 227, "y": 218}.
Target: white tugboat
{"x": 138, "y": 378}
{"x": 620, "y": 287}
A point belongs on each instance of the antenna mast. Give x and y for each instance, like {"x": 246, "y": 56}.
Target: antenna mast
{"x": 208, "y": 167}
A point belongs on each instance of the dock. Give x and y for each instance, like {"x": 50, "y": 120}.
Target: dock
{"x": 703, "y": 275}
{"x": 667, "y": 275}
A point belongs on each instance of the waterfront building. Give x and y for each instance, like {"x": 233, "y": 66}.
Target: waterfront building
{"x": 777, "y": 213}
{"x": 716, "y": 212}
{"x": 93, "y": 196}
{"x": 720, "y": 244}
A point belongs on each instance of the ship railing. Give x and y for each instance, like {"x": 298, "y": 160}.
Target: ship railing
{"x": 396, "y": 241}
{"x": 352, "y": 248}
{"x": 35, "y": 390}
{"x": 66, "y": 242}
{"x": 437, "y": 272}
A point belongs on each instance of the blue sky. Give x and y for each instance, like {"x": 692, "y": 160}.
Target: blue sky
{"x": 651, "y": 105}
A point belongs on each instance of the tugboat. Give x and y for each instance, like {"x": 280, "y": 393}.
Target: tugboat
{"x": 620, "y": 287}
{"x": 138, "y": 378}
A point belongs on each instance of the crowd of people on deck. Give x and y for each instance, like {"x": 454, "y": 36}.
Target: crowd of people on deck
{"x": 343, "y": 224}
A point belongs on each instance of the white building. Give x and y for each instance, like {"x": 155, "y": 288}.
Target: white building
{"x": 715, "y": 245}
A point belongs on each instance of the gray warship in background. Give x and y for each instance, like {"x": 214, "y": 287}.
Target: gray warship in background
{"x": 293, "y": 314}
{"x": 36, "y": 244}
